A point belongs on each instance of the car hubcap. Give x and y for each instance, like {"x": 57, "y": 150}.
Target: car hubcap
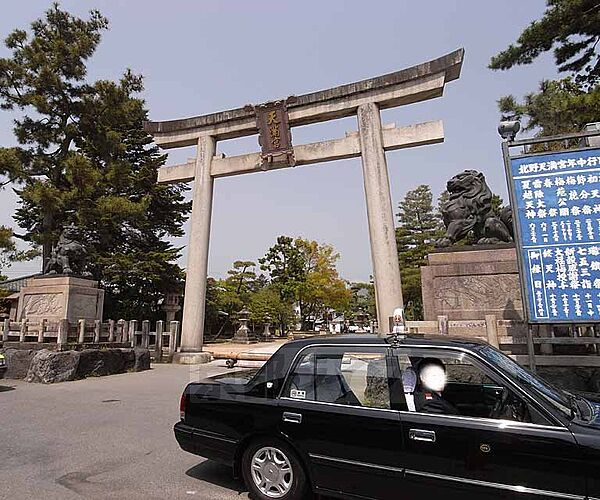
{"x": 272, "y": 472}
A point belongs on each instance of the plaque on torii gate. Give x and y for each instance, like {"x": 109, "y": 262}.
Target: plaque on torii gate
{"x": 274, "y": 121}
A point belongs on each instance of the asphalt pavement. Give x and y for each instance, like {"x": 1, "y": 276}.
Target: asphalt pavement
{"x": 105, "y": 438}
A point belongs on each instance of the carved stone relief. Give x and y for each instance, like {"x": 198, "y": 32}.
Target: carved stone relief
{"x": 42, "y": 305}
{"x": 476, "y": 293}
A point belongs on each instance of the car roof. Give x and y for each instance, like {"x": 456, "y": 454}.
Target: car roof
{"x": 278, "y": 365}
{"x": 371, "y": 339}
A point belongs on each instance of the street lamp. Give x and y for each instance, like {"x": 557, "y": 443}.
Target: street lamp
{"x": 508, "y": 129}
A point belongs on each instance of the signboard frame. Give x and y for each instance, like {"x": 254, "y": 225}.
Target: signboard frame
{"x": 506, "y": 145}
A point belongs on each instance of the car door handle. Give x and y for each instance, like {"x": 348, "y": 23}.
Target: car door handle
{"x": 421, "y": 435}
{"x": 292, "y": 418}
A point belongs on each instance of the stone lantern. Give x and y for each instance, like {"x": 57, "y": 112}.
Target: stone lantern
{"x": 361, "y": 317}
{"x": 267, "y": 331}
{"x": 171, "y": 306}
{"x": 243, "y": 334}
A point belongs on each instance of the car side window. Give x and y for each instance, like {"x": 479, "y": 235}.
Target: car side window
{"x": 341, "y": 376}
{"x": 453, "y": 383}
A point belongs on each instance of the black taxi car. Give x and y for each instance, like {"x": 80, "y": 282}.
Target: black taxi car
{"x": 356, "y": 417}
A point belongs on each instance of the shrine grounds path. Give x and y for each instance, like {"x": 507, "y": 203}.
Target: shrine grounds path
{"x": 107, "y": 437}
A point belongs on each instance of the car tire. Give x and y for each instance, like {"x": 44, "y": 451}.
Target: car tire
{"x": 272, "y": 470}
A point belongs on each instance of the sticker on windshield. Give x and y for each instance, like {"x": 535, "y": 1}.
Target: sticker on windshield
{"x": 296, "y": 394}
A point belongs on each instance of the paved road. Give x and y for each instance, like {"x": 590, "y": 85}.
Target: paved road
{"x": 108, "y": 437}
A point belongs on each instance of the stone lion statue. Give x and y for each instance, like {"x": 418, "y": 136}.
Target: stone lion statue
{"x": 469, "y": 208}
{"x": 69, "y": 255}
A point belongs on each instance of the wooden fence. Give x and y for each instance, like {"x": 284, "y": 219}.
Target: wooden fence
{"x": 542, "y": 345}
{"x": 62, "y": 335}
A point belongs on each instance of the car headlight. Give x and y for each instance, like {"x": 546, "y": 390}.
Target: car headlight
{"x": 2, "y": 360}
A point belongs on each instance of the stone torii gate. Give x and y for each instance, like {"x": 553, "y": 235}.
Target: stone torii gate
{"x": 364, "y": 99}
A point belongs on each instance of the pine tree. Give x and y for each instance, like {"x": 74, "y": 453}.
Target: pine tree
{"x": 572, "y": 27}
{"x": 84, "y": 158}
{"x": 418, "y": 228}
{"x": 559, "y": 107}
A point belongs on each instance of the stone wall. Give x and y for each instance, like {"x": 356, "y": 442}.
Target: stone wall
{"x": 46, "y": 366}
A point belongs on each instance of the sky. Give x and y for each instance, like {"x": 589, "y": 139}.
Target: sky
{"x": 203, "y": 56}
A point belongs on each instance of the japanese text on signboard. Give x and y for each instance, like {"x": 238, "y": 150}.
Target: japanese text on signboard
{"x": 558, "y": 209}
{"x": 274, "y": 132}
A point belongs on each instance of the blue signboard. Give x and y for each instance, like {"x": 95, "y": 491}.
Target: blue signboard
{"x": 557, "y": 199}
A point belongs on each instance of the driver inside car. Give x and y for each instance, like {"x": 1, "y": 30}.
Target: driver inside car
{"x": 428, "y": 396}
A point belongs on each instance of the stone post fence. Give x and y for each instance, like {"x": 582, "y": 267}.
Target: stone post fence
{"x": 162, "y": 341}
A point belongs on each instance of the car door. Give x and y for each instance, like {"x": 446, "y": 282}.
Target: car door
{"x": 464, "y": 456}
{"x": 336, "y": 410}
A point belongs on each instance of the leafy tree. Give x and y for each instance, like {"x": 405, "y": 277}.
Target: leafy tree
{"x": 84, "y": 158}
{"x": 362, "y": 298}
{"x": 304, "y": 272}
{"x": 418, "y": 228}
{"x": 572, "y": 28}
{"x": 267, "y": 302}
{"x": 322, "y": 288}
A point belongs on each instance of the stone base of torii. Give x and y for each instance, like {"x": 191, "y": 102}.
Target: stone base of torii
{"x": 364, "y": 99}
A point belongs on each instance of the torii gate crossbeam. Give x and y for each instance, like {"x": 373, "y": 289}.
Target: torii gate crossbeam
{"x": 364, "y": 99}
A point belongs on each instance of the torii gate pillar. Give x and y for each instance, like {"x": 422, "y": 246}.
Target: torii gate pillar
{"x": 380, "y": 214}
{"x": 192, "y": 332}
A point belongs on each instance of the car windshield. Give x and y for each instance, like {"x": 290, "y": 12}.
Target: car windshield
{"x": 558, "y": 398}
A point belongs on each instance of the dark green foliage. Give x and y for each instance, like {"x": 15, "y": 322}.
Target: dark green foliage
{"x": 84, "y": 158}
{"x": 559, "y": 107}
{"x": 572, "y": 28}
{"x": 361, "y": 300}
{"x": 7, "y": 248}
{"x": 418, "y": 227}
{"x": 285, "y": 265}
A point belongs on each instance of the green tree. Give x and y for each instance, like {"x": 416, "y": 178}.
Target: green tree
{"x": 243, "y": 276}
{"x": 45, "y": 80}
{"x": 304, "y": 272}
{"x": 84, "y": 158}
{"x": 418, "y": 228}
{"x": 285, "y": 265}
{"x": 322, "y": 287}
{"x": 267, "y": 302}
{"x": 560, "y": 107}
{"x": 572, "y": 28}
{"x": 7, "y": 249}
{"x": 362, "y": 299}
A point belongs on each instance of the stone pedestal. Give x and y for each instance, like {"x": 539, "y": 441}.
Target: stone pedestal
{"x": 192, "y": 358}
{"x": 244, "y": 336}
{"x": 55, "y": 298}
{"x": 468, "y": 283}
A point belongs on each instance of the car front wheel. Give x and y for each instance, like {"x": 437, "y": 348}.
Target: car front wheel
{"x": 271, "y": 470}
